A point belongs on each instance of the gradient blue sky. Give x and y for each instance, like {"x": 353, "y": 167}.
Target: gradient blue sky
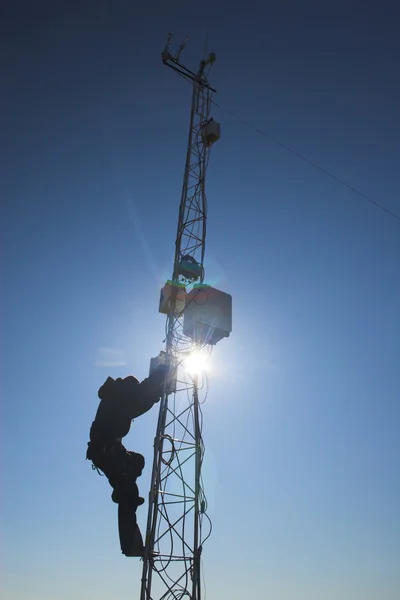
{"x": 301, "y": 424}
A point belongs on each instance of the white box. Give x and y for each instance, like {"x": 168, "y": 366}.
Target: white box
{"x": 166, "y": 298}
{"x": 210, "y": 132}
{"x": 207, "y": 317}
{"x": 161, "y": 359}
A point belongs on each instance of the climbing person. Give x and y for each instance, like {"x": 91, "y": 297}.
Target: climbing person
{"x": 121, "y": 401}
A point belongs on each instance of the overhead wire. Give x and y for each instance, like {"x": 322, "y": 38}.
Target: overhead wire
{"x": 308, "y": 161}
{"x": 202, "y": 497}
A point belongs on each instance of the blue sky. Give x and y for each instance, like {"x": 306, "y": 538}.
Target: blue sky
{"x": 301, "y": 424}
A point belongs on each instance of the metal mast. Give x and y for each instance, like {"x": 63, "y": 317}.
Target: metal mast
{"x": 177, "y": 505}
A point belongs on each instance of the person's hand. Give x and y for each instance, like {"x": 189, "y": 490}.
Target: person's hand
{"x": 153, "y": 385}
{"x": 159, "y": 375}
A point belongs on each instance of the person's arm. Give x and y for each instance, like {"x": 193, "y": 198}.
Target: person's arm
{"x": 148, "y": 392}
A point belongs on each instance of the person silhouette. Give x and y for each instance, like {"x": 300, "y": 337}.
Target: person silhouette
{"x": 122, "y": 401}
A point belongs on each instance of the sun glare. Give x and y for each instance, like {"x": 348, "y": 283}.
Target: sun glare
{"x": 196, "y": 362}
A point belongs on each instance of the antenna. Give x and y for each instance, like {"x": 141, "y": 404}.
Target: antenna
{"x": 181, "y": 48}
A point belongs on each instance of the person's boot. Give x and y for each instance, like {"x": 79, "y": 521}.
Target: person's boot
{"x": 137, "y": 547}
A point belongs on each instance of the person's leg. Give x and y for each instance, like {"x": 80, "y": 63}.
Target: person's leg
{"x": 130, "y": 536}
{"x": 121, "y": 468}
{"x": 124, "y": 480}
{"x": 126, "y": 493}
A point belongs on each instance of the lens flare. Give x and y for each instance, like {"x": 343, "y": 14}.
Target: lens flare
{"x": 196, "y": 362}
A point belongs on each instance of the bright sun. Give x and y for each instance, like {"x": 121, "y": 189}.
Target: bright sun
{"x": 196, "y": 362}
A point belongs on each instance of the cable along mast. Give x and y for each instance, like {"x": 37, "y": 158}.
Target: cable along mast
{"x": 198, "y": 316}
